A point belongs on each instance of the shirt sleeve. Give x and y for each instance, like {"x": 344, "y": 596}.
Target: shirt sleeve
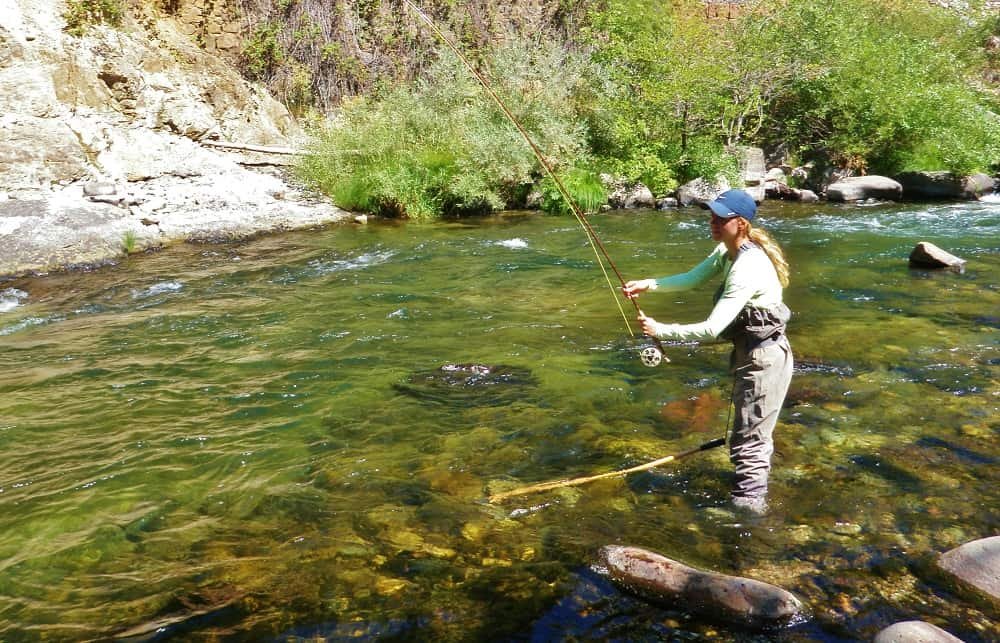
{"x": 705, "y": 270}
{"x": 740, "y": 287}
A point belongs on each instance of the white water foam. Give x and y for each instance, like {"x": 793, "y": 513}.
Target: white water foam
{"x": 11, "y": 298}
{"x": 158, "y": 289}
{"x": 361, "y": 261}
{"x": 27, "y": 323}
{"x": 514, "y": 244}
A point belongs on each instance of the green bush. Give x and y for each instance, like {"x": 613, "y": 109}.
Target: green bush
{"x": 440, "y": 146}
{"x": 876, "y": 85}
{"x": 667, "y": 76}
{"x": 82, "y": 14}
{"x": 880, "y": 86}
{"x": 262, "y": 51}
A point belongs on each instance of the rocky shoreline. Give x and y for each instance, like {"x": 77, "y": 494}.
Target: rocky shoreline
{"x": 88, "y": 223}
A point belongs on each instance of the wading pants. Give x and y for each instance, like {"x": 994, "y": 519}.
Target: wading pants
{"x": 762, "y": 376}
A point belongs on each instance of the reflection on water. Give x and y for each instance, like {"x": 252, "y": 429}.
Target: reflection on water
{"x": 293, "y": 438}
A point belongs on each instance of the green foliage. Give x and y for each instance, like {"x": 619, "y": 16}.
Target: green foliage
{"x": 583, "y": 186}
{"x": 668, "y": 71}
{"x": 704, "y": 157}
{"x": 880, "y": 86}
{"x": 297, "y": 88}
{"x": 82, "y": 14}
{"x": 351, "y": 48}
{"x": 870, "y": 84}
{"x": 262, "y": 51}
{"x": 440, "y": 146}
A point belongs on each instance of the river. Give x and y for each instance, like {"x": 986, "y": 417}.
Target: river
{"x": 282, "y": 439}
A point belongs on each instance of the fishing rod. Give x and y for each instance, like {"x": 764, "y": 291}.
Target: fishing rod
{"x": 558, "y": 484}
{"x": 651, "y": 355}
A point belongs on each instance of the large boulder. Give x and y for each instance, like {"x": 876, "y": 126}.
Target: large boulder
{"x": 701, "y": 190}
{"x": 975, "y": 567}
{"x": 751, "y": 163}
{"x": 860, "y": 188}
{"x": 623, "y": 195}
{"x": 914, "y": 632}
{"x": 944, "y": 185}
{"x": 744, "y": 601}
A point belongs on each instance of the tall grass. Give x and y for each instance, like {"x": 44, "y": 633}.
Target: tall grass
{"x": 583, "y": 186}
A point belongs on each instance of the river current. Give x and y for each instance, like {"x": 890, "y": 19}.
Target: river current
{"x": 286, "y": 439}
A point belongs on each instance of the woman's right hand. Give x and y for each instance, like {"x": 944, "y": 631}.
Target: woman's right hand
{"x": 633, "y": 288}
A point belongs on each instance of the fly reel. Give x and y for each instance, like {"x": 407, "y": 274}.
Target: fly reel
{"x": 651, "y": 356}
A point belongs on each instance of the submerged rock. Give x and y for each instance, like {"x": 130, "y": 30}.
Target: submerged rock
{"x": 928, "y": 255}
{"x": 469, "y": 384}
{"x": 914, "y": 632}
{"x": 743, "y": 601}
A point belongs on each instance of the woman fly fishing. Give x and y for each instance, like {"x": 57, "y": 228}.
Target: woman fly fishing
{"x": 748, "y": 311}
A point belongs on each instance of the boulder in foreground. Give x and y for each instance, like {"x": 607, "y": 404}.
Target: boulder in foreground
{"x": 928, "y": 255}
{"x": 914, "y": 632}
{"x": 975, "y": 566}
{"x": 743, "y": 601}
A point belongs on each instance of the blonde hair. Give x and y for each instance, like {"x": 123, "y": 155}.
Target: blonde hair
{"x": 771, "y": 249}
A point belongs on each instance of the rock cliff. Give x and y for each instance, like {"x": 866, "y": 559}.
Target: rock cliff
{"x": 128, "y": 107}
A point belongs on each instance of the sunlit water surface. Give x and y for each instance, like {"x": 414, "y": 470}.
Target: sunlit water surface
{"x": 257, "y": 441}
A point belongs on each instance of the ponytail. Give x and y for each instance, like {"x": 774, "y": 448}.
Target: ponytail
{"x": 772, "y": 250}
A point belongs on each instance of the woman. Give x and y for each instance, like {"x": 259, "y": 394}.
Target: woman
{"x": 748, "y": 311}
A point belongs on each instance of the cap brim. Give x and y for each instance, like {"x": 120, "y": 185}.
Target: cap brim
{"x": 720, "y": 209}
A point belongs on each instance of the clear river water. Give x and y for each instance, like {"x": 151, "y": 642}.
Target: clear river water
{"x": 283, "y": 439}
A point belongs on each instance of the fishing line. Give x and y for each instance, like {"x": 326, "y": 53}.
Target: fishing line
{"x": 651, "y": 355}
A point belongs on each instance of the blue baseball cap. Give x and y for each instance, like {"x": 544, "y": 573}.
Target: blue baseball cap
{"x": 733, "y": 203}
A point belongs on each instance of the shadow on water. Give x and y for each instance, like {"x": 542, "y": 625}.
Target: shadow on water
{"x": 963, "y": 454}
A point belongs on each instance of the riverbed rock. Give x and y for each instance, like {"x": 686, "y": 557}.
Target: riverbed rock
{"x": 744, "y": 601}
{"x": 776, "y": 189}
{"x": 807, "y": 196}
{"x": 469, "y": 384}
{"x": 975, "y": 566}
{"x": 914, "y": 632}
{"x": 927, "y": 255}
{"x": 860, "y": 188}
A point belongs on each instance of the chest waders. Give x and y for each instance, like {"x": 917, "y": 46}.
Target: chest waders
{"x": 761, "y": 363}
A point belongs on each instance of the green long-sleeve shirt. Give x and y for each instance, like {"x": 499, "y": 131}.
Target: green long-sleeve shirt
{"x": 751, "y": 279}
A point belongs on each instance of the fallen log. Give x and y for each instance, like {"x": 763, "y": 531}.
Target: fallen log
{"x": 252, "y": 148}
